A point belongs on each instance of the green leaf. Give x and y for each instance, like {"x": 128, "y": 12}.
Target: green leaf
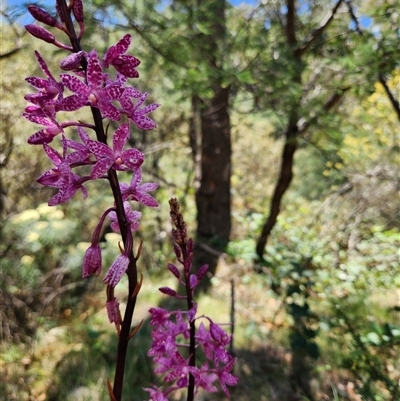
{"x": 373, "y": 338}
{"x": 245, "y": 77}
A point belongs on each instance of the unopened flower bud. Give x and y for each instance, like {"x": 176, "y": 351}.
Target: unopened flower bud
{"x": 190, "y": 246}
{"x": 202, "y": 272}
{"x": 187, "y": 265}
{"x": 116, "y": 271}
{"x": 42, "y": 16}
{"x": 193, "y": 281}
{"x": 40, "y": 33}
{"x": 174, "y": 270}
{"x": 174, "y": 219}
{"x": 177, "y": 236}
{"x": 184, "y": 231}
{"x": 174, "y": 205}
{"x": 77, "y": 9}
{"x": 73, "y": 61}
{"x": 113, "y": 314}
{"x": 167, "y": 291}
{"x": 59, "y": 12}
{"x": 177, "y": 251}
{"x": 92, "y": 261}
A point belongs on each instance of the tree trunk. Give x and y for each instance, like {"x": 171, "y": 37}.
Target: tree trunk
{"x": 292, "y": 132}
{"x": 213, "y": 197}
{"x": 285, "y": 178}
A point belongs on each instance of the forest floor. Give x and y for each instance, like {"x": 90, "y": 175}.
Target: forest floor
{"x": 64, "y": 362}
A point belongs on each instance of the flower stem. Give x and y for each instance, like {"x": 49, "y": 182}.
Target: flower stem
{"x": 192, "y": 343}
{"x": 122, "y": 221}
{"x": 125, "y": 331}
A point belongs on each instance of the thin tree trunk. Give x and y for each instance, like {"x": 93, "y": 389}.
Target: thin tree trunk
{"x": 289, "y": 149}
{"x": 292, "y": 131}
{"x": 285, "y": 178}
{"x": 393, "y": 101}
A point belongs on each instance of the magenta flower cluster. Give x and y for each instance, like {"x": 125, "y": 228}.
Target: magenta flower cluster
{"x": 175, "y": 336}
{"x": 89, "y": 83}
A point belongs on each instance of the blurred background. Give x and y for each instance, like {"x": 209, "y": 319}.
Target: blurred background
{"x": 278, "y": 132}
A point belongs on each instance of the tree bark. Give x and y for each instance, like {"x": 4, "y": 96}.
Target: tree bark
{"x": 393, "y": 101}
{"x": 213, "y": 198}
{"x": 213, "y": 194}
{"x": 285, "y": 178}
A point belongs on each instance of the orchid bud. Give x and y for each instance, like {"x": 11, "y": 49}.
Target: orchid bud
{"x": 77, "y": 9}
{"x": 92, "y": 261}
{"x": 167, "y": 291}
{"x": 177, "y": 236}
{"x": 187, "y": 265}
{"x": 190, "y": 245}
{"x": 177, "y": 251}
{"x": 42, "y": 16}
{"x": 59, "y": 12}
{"x": 174, "y": 270}
{"x": 193, "y": 281}
{"x": 40, "y": 33}
{"x": 116, "y": 271}
{"x": 202, "y": 272}
{"x": 73, "y": 61}
{"x": 113, "y": 313}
